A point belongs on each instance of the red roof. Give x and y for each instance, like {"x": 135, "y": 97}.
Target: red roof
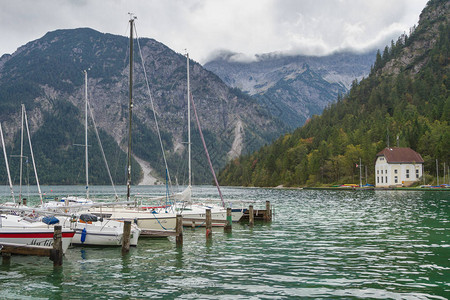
{"x": 401, "y": 155}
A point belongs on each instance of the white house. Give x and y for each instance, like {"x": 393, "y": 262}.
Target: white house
{"x": 397, "y": 167}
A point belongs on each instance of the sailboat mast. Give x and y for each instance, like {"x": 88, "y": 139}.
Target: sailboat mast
{"x": 130, "y": 109}
{"x": 189, "y": 121}
{"x": 86, "y": 133}
{"x": 32, "y": 155}
{"x": 21, "y": 155}
{"x": 7, "y": 165}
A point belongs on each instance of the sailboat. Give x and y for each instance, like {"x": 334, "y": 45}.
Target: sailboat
{"x": 75, "y": 200}
{"x": 148, "y": 220}
{"x": 90, "y": 229}
{"x": 20, "y": 230}
{"x": 193, "y": 212}
{"x": 26, "y": 231}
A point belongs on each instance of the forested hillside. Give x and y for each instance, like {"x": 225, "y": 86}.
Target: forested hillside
{"x": 405, "y": 95}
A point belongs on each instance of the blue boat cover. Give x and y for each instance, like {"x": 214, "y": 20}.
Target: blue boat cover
{"x": 50, "y": 220}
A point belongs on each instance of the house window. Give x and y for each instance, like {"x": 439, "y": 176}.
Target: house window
{"x": 381, "y": 158}
{"x": 396, "y": 179}
{"x": 407, "y": 173}
{"x": 378, "y": 179}
{"x": 378, "y": 171}
{"x": 381, "y": 179}
{"x": 417, "y": 173}
{"x": 386, "y": 179}
{"x": 395, "y": 171}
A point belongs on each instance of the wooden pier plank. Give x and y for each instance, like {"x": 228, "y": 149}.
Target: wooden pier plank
{"x": 157, "y": 233}
{"x": 25, "y": 249}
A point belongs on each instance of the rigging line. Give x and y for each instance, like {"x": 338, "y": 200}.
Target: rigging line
{"x": 32, "y": 155}
{"x": 206, "y": 150}
{"x": 153, "y": 107}
{"x": 159, "y": 221}
{"x": 101, "y": 148}
{"x": 7, "y": 165}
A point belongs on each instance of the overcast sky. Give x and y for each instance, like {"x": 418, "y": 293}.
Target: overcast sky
{"x": 312, "y": 27}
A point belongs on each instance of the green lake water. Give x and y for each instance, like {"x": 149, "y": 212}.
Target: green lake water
{"x": 321, "y": 244}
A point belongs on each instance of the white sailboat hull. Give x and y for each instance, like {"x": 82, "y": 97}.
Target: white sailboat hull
{"x": 100, "y": 233}
{"x": 35, "y": 236}
{"x": 17, "y": 230}
{"x": 197, "y": 212}
{"x": 147, "y": 221}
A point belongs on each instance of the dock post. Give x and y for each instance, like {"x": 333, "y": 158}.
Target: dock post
{"x": 126, "y": 237}
{"x": 268, "y": 213}
{"x": 251, "y": 216}
{"x": 57, "y": 246}
{"x": 6, "y": 257}
{"x": 179, "y": 231}
{"x": 208, "y": 224}
{"x": 24, "y": 201}
{"x": 193, "y": 225}
{"x": 227, "y": 227}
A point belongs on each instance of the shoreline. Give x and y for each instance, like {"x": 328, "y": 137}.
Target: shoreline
{"x": 377, "y": 189}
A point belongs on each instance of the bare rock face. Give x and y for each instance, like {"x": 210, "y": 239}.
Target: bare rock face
{"x": 414, "y": 56}
{"x": 293, "y": 88}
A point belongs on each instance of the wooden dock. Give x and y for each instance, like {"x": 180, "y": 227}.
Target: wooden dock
{"x": 157, "y": 233}
{"x": 258, "y": 214}
{"x": 12, "y": 248}
{"x": 55, "y": 253}
{"x": 165, "y": 233}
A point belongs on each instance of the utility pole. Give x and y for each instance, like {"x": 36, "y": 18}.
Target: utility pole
{"x": 423, "y": 173}
{"x": 360, "y": 175}
{"x": 437, "y": 172}
{"x": 444, "y": 173}
{"x": 366, "y": 173}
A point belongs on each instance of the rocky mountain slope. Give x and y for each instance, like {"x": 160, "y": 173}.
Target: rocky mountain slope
{"x": 293, "y": 88}
{"x": 47, "y": 76}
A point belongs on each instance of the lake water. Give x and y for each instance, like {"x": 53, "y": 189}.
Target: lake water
{"x": 321, "y": 244}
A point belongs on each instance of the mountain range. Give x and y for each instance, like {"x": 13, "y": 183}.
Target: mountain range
{"x": 245, "y": 106}
{"x": 293, "y": 88}
{"x": 47, "y": 76}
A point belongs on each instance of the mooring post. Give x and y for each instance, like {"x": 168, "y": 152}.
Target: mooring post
{"x": 268, "y": 213}
{"x": 57, "y": 246}
{"x": 6, "y": 258}
{"x": 193, "y": 225}
{"x": 24, "y": 201}
{"x": 126, "y": 237}
{"x": 227, "y": 227}
{"x": 179, "y": 231}
{"x": 208, "y": 224}
{"x": 251, "y": 216}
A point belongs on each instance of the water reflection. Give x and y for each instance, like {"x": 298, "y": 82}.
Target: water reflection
{"x": 179, "y": 264}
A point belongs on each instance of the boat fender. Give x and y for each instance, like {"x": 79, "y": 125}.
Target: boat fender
{"x": 83, "y": 235}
